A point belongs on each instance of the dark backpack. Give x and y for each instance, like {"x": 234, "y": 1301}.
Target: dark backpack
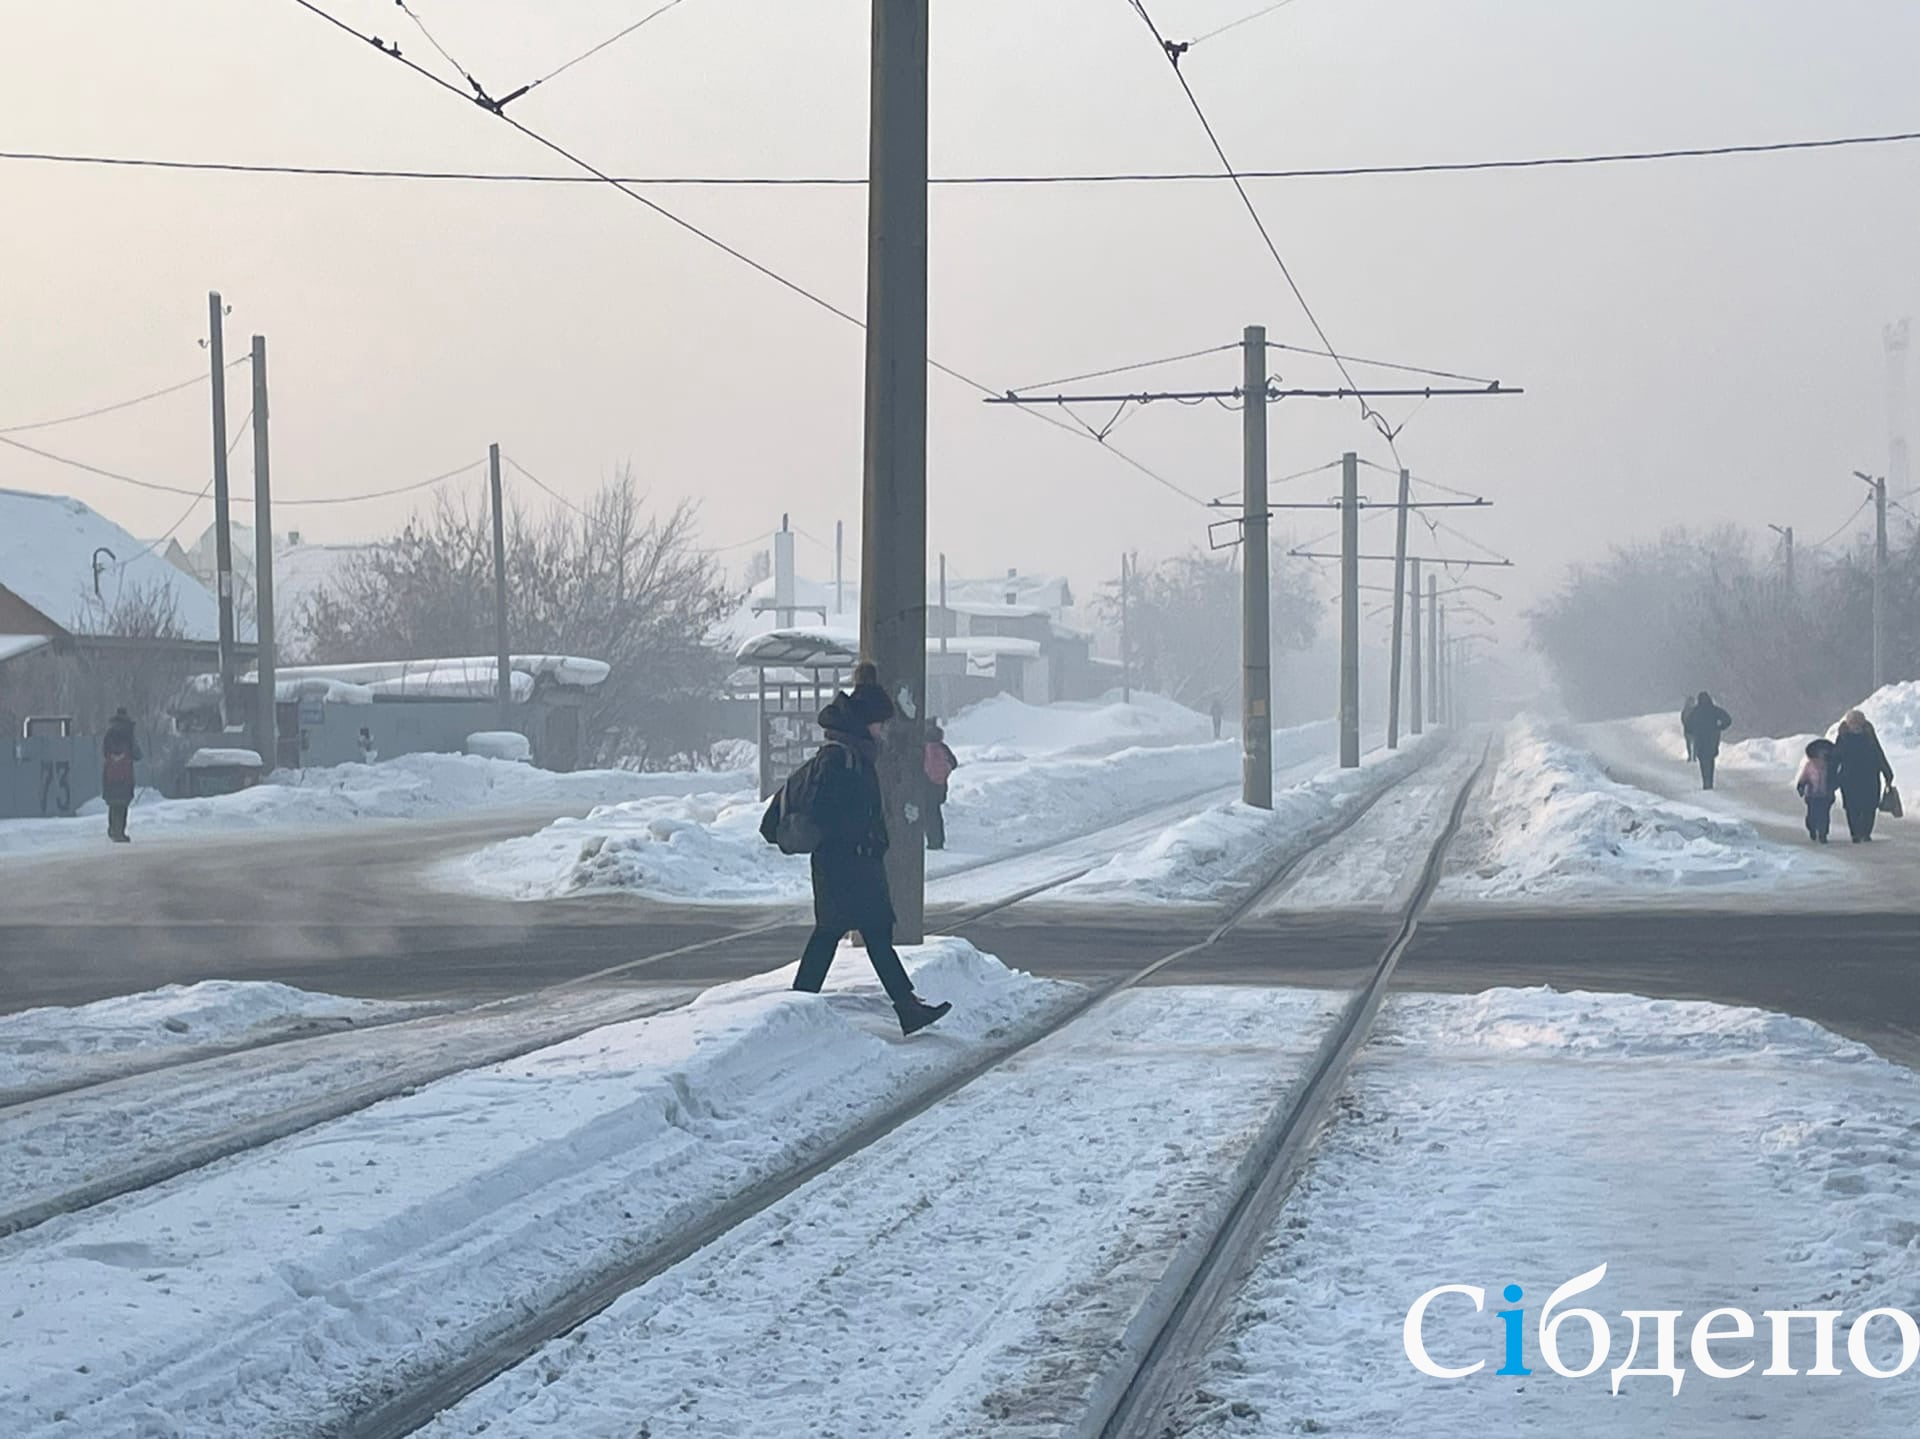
{"x": 793, "y": 821}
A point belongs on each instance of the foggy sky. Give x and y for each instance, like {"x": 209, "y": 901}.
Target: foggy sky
{"x": 1700, "y": 340}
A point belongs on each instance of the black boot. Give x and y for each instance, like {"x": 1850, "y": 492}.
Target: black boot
{"x": 916, "y": 1014}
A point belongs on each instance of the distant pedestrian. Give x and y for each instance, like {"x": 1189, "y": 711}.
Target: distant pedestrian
{"x": 1219, "y": 714}
{"x": 847, "y": 819}
{"x": 368, "y": 754}
{"x": 1862, "y": 764}
{"x": 939, "y": 763}
{"x": 1705, "y": 723}
{"x": 1815, "y": 784}
{"x": 1686, "y": 724}
{"x": 119, "y": 753}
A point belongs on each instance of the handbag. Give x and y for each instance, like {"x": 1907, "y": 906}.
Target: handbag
{"x": 1890, "y": 803}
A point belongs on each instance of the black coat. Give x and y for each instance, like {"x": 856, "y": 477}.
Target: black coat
{"x": 118, "y": 742}
{"x": 849, "y": 864}
{"x": 1704, "y": 724}
{"x": 1861, "y": 764}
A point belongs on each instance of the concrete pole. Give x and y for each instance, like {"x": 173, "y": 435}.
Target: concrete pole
{"x": 1879, "y": 582}
{"x": 1256, "y": 646}
{"x": 1433, "y": 649}
{"x": 222, "y": 523}
{"x": 839, "y": 566}
{"x": 266, "y": 714}
{"x": 1446, "y": 671}
{"x": 1399, "y": 617}
{"x": 893, "y": 542}
{"x": 946, "y": 619}
{"x": 1787, "y": 534}
{"x": 1350, "y": 611}
{"x": 1126, "y": 654}
{"x": 504, "y": 682}
{"x": 1416, "y": 709}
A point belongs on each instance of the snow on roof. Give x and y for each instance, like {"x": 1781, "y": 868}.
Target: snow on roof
{"x": 571, "y": 671}
{"x": 220, "y": 758}
{"x": 47, "y": 548}
{"x": 997, "y": 611}
{"x": 13, "y": 646}
{"x": 801, "y": 647}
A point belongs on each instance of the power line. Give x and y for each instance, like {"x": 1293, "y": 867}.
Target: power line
{"x": 1125, "y": 369}
{"x": 1253, "y": 213}
{"x": 377, "y": 494}
{"x": 1116, "y": 177}
{"x": 104, "y": 474}
{"x": 1822, "y": 544}
{"x": 792, "y": 285}
{"x": 174, "y": 389}
{"x": 193, "y": 504}
{"x": 1259, "y": 14}
{"x": 614, "y": 39}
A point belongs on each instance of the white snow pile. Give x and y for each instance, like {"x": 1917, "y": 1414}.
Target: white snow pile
{"x": 415, "y": 786}
{"x": 1794, "y": 1187}
{"x": 1893, "y": 710}
{"x": 1003, "y": 728}
{"x": 501, "y": 744}
{"x": 1553, "y": 824}
{"x": 57, "y": 1045}
{"x": 270, "y": 1293}
{"x": 706, "y": 848}
{"x": 1218, "y": 852}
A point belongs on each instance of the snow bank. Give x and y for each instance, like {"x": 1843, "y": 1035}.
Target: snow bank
{"x": 1552, "y": 824}
{"x": 56, "y": 1045}
{"x": 416, "y": 786}
{"x": 501, "y": 744}
{"x": 1003, "y": 728}
{"x": 1793, "y": 1188}
{"x": 1217, "y": 853}
{"x": 271, "y": 1292}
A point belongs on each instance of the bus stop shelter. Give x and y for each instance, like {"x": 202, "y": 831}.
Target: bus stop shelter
{"x": 796, "y": 672}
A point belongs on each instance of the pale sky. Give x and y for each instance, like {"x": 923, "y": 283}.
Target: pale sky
{"x": 1700, "y": 340}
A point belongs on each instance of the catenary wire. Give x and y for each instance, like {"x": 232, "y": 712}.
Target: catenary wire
{"x": 1125, "y": 369}
{"x": 613, "y": 39}
{"x": 1259, "y": 14}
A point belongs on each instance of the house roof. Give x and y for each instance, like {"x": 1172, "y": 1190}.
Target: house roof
{"x": 48, "y": 544}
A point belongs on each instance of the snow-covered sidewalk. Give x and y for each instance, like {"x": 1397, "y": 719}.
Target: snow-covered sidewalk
{"x": 270, "y": 1292}
{"x": 971, "y": 1274}
{"x": 1552, "y": 825}
{"x": 1708, "y": 1156}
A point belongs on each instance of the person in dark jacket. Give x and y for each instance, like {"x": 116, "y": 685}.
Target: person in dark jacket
{"x": 939, "y": 762}
{"x": 1861, "y": 764}
{"x": 1705, "y": 723}
{"x": 1686, "y": 724}
{"x": 119, "y": 752}
{"x": 849, "y": 863}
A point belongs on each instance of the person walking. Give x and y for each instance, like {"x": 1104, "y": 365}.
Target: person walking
{"x": 1815, "y": 785}
{"x": 1219, "y": 714}
{"x": 849, "y": 860}
{"x": 939, "y": 763}
{"x": 1686, "y": 724}
{"x": 119, "y": 753}
{"x": 1705, "y": 723}
{"x": 1862, "y": 764}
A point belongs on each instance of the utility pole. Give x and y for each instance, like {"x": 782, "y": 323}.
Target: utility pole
{"x": 1399, "y": 616}
{"x": 1126, "y": 654}
{"x": 839, "y": 566}
{"x": 504, "y": 683}
{"x": 1879, "y": 582}
{"x": 222, "y": 530}
{"x": 893, "y": 542}
{"x": 1433, "y": 649}
{"x": 1415, "y": 707}
{"x": 1256, "y": 646}
{"x": 266, "y": 712}
{"x": 1786, "y": 542}
{"x": 946, "y": 618}
{"x": 1350, "y": 611}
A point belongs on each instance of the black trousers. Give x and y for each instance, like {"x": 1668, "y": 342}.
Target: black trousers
{"x": 116, "y": 821}
{"x": 937, "y": 817}
{"x": 1862, "y": 809}
{"x": 850, "y": 892}
{"x": 1706, "y": 759}
{"x": 1819, "y": 816}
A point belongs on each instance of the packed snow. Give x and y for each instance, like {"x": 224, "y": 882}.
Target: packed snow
{"x": 274, "y": 1290}
{"x": 970, "y": 1274}
{"x": 1484, "y": 1140}
{"x": 1218, "y": 853}
{"x": 415, "y": 786}
{"x": 1552, "y": 825}
{"x": 40, "y": 1048}
{"x": 1029, "y": 776}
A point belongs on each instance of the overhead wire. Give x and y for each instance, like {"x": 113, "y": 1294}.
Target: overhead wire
{"x": 588, "y": 54}
{"x": 246, "y": 422}
{"x": 1259, "y": 14}
{"x": 739, "y": 255}
{"x": 1119, "y": 177}
{"x": 1838, "y": 529}
{"x": 1125, "y": 369}
{"x": 173, "y": 389}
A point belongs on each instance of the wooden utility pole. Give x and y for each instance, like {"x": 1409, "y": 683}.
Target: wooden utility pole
{"x": 1256, "y": 645}
{"x": 266, "y": 726}
{"x": 503, "y": 684}
{"x": 893, "y": 541}
{"x": 1786, "y": 553}
{"x": 222, "y": 523}
{"x": 1349, "y": 611}
{"x": 1399, "y": 617}
{"x": 1416, "y": 708}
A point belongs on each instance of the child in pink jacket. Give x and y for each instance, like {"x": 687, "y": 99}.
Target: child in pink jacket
{"x": 1815, "y": 784}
